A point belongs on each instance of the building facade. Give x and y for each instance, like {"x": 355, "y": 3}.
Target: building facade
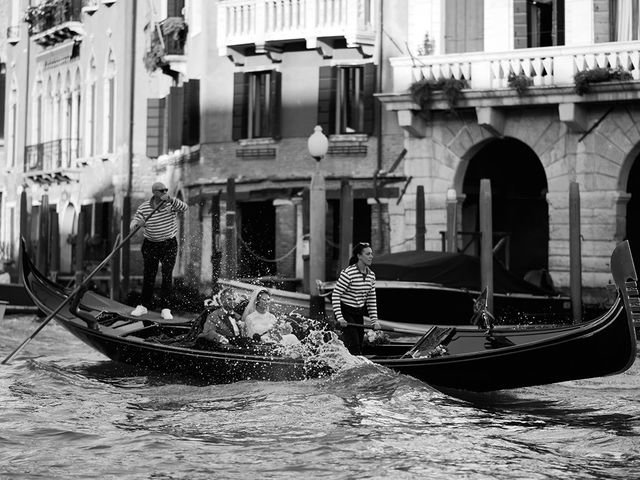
{"x": 218, "y": 100}
{"x": 527, "y": 119}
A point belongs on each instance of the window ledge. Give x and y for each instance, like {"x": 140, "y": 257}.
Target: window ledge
{"x": 247, "y": 142}
{"x": 349, "y": 137}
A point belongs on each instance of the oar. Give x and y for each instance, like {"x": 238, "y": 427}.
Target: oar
{"x": 393, "y": 330}
{"x": 79, "y": 287}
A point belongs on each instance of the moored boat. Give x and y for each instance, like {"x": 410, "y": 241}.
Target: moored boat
{"x": 440, "y": 288}
{"x": 486, "y": 359}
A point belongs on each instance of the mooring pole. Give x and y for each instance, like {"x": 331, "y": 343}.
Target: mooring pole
{"x": 486, "y": 241}
{"x": 575, "y": 252}
{"x": 421, "y": 230}
{"x": 452, "y": 220}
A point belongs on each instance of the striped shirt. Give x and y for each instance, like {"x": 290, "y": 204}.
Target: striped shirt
{"x": 163, "y": 225}
{"x": 355, "y": 289}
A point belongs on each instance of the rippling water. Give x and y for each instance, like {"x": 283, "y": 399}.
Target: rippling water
{"x": 69, "y": 413}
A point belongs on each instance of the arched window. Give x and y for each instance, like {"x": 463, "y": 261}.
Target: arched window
{"x": 91, "y": 110}
{"x": 110, "y": 104}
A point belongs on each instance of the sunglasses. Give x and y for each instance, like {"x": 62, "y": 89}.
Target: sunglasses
{"x": 163, "y": 190}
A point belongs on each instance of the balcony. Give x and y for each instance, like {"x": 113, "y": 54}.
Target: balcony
{"x": 269, "y": 25}
{"x": 55, "y": 21}
{"x": 53, "y": 161}
{"x": 550, "y": 72}
{"x": 13, "y": 34}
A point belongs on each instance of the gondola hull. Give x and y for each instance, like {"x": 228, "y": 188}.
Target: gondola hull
{"x": 473, "y": 360}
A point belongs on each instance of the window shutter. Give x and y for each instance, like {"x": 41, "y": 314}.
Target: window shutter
{"x": 240, "y": 91}
{"x": 327, "y": 99}
{"x": 275, "y": 103}
{"x": 368, "y": 89}
{"x": 176, "y": 118}
{"x": 191, "y": 123}
{"x": 155, "y": 127}
{"x": 520, "y": 23}
{"x": 464, "y": 26}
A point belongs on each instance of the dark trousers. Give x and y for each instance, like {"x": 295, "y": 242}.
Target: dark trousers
{"x": 353, "y": 337}
{"x": 165, "y": 253}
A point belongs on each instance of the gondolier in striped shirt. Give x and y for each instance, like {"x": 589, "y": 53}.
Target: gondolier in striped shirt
{"x": 354, "y": 296}
{"x": 159, "y": 246}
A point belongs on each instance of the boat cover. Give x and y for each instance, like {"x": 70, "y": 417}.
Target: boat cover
{"x": 454, "y": 270}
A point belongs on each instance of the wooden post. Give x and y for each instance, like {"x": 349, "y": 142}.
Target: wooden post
{"x": 452, "y": 220}
{"x": 216, "y": 248}
{"x": 114, "y": 278}
{"x": 43, "y": 236}
{"x": 24, "y": 230}
{"x": 486, "y": 240}
{"x": 420, "y": 227}
{"x": 54, "y": 253}
{"x": 575, "y": 252}
{"x": 346, "y": 224}
{"x": 232, "y": 241}
{"x": 80, "y": 231}
{"x": 126, "y": 249}
{"x": 305, "y": 234}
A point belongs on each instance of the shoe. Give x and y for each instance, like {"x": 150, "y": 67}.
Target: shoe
{"x": 139, "y": 310}
{"x": 166, "y": 314}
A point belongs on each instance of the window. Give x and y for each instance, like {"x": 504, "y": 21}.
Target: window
{"x": 109, "y": 105}
{"x": 624, "y": 20}
{"x": 256, "y": 105}
{"x": 538, "y": 23}
{"x": 91, "y": 109}
{"x": 345, "y": 99}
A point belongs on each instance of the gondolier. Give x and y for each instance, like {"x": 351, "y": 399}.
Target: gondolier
{"x": 159, "y": 246}
{"x": 355, "y": 296}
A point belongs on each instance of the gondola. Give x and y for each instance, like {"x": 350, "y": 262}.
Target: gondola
{"x": 484, "y": 359}
{"x": 448, "y": 283}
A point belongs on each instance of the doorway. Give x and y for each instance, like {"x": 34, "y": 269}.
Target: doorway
{"x": 256, "y": 239}
{"x": 519, "y": 205}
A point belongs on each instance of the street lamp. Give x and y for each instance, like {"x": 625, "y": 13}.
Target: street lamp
{"x": 318, "y": 146}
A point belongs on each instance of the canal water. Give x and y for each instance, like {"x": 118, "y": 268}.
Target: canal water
{"x": 67, "y": 412}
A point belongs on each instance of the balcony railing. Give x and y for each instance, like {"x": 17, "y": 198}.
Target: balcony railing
{"x": 551, "y": 66}
{"x": 174, "y": 35}
{"x": 54, "y": 21}
{"x": 258, "y": 22}
{"x": 51, "y": 156}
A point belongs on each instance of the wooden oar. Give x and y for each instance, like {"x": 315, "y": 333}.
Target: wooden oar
{"x": 393, "y": 330}
{"x": 79, "y": 287}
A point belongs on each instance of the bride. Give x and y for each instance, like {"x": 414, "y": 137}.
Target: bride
{"x": 261, "y": 324}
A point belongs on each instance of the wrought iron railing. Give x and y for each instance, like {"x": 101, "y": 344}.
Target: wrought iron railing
{"x": 54, "y": 155}
{"x": 51, "y": 13}
{"x": 174, "y": 35}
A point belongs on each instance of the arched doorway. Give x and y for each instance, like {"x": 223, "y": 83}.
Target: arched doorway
{"x": 633, "y": 210}
{"x": 520, "y": 210}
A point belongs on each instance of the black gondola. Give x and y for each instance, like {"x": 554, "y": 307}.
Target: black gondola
{"x": 491, "y": 358}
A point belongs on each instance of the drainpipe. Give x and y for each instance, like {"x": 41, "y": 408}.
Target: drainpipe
{"x": 378, "y": 171}
{"x": 126, "y": 206}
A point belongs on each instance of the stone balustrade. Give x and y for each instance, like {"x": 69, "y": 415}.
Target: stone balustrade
{"x": 548, "y": 66}
{"x": 263, "y": 22}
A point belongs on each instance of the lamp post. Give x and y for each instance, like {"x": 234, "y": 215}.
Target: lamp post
{"x": 318, "y": 146}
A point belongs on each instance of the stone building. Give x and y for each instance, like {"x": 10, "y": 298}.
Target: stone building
{"x": 524, "y": 120}
{"x": 226, "y": 93}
